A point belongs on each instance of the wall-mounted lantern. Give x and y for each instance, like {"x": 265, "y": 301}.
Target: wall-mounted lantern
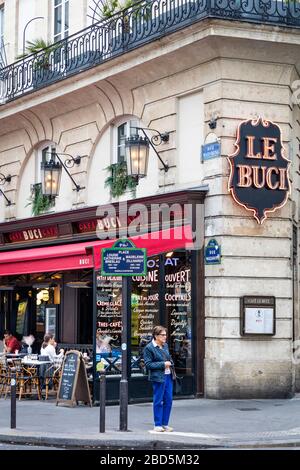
{"x": 52, "y": 170}
{"x": 137, "y": 152}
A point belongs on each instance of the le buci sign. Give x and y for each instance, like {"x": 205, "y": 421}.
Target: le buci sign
{"x": 259, "y": 170}
{"x": 124, "y": 259}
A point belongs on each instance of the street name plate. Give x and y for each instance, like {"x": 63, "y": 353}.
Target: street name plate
{"x": 124, "y": 259}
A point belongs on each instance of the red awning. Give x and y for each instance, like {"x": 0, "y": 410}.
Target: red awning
{"x": 73, "y": 256}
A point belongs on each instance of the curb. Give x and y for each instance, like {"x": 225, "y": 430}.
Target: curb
{"x": 135, "y": 444}
{"x": 104, "y": 444}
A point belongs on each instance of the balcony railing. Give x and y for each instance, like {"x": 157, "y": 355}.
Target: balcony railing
{"x": 129, "y": 29}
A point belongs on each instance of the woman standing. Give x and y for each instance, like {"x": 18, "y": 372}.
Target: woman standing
{"x": 159, "y": 364}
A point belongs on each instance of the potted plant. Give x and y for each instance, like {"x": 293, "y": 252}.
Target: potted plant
{"x": 119, "y": 182}
{"x": 41, "y": 63}
{"x": 39, "y": 202}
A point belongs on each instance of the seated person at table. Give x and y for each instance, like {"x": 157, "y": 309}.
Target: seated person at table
{"x": 48, "y": 348}
{"x": 11, "y": 344}
{"x": 102, "y": 343}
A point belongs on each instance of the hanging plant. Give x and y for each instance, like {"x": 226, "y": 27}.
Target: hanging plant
{"x": 119, "y": 181}
{"x": 39, "y": 202}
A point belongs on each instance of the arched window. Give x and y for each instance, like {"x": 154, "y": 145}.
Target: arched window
{"x": 40, "y": 203}
{"x": 122, "y": 130}
{"x": 44, "y": 154}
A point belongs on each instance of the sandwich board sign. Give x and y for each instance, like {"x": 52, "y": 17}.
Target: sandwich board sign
{"x": 73, "y": 384}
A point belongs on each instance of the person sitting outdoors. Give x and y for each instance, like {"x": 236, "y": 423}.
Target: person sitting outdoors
{"x": 11, "y": 344}
{"x": 48, "y": 348}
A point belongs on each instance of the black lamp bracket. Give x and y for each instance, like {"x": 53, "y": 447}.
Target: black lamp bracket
{"x": 68, "y": 163}
{"x": 71, "y": 161}
{"x": 7, "y": 200}
{"x": 156, "y": 140}
{"x": 4, "y": 179}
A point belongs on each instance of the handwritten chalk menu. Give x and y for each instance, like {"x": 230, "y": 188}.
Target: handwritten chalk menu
{"x": 145, "y": 304}
{"x": 178, "y": 301}
{"x": 109, "y": 312}
{"x": 73, "y": 386}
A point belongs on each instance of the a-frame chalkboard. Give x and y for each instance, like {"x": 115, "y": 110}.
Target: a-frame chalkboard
{"x": 73, "y": 384}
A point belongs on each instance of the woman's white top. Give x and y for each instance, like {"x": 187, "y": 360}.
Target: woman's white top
{"x": 49, "y": 351}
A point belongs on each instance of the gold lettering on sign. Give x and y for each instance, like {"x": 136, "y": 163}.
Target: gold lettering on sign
{"x": 269, "y": 177}
{"x": 269, "y": 148}
{"x": 283, "y": 179}
{"x": 256, "y": 182}
{"x": 250, "y": 147}
{"x": 245, "y": 180}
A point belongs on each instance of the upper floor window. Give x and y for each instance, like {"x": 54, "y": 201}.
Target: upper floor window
{"x": 2, "y": 24}
{"x": 61, "y": 19}
{"x": 3, "y": 60}
{"x": 123, "y": 131}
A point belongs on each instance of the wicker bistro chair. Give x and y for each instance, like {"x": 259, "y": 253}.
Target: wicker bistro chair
{"x": 51, "y": 376}
{"x": 28, "y": 381}
{"x": 4, "y": 377}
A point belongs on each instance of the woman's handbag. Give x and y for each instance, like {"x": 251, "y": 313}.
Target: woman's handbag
{"x": 173, "y": 373}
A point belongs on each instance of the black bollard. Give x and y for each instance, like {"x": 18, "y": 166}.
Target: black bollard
{"x": 102, "y": 401}
{"x": 13, "y": 410}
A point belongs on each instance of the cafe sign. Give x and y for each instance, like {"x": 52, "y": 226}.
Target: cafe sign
{"x": 259, "y": 170}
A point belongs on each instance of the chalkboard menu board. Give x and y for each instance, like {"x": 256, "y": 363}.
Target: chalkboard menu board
{"x": 73, "y": 386}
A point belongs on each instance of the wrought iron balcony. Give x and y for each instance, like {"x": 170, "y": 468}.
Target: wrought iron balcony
{"x": 145, "y": 22}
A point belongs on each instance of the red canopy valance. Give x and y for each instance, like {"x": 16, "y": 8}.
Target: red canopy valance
{"x": 73, "y": 256}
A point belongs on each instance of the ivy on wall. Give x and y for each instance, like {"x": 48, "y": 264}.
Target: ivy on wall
{"x": 38, "y": 201}
{"x": 118, "y": 181}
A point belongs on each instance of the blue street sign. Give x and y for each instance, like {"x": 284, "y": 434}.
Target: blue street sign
{"x": 209, "y": 151}
{"x": 124, "y": 259}
{"x": 124, "y": 243}
{"x": 212, "y": 252}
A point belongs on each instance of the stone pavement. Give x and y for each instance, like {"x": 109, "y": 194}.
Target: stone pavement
{"x": 198, "y": 424}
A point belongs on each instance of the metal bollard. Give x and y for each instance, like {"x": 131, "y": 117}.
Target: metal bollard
{"x": 102, "y": 401}
{"x": 13, "y": 399}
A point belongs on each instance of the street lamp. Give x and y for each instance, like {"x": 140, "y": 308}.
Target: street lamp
{"x": 24, "y": 30}
{"x": 51, "y": 173}
{"x": 137, "y": 152}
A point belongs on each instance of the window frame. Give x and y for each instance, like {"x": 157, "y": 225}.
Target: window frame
{"x": 2, "y": 19}
{"x": 129, "y": 124}
{"x": 42, "y": 158}
{"x": 64, "y": 7}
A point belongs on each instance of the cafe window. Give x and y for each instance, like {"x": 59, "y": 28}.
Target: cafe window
{"x": 163, "y": 297}
{"x": 145, "y": 314}
{"x": 109, "y": 324}
{"x": 178, "y": 301}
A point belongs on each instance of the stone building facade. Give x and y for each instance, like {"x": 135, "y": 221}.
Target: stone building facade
{"x": 211, "y": 69}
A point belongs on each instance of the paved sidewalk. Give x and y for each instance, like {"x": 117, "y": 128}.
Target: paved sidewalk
{"x": 198, "y": 423}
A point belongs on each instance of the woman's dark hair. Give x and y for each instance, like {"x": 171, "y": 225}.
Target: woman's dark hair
{"x": 7, "y": 332}
{"x": 47, "y": 338}
{"x": 157, "y": 330}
